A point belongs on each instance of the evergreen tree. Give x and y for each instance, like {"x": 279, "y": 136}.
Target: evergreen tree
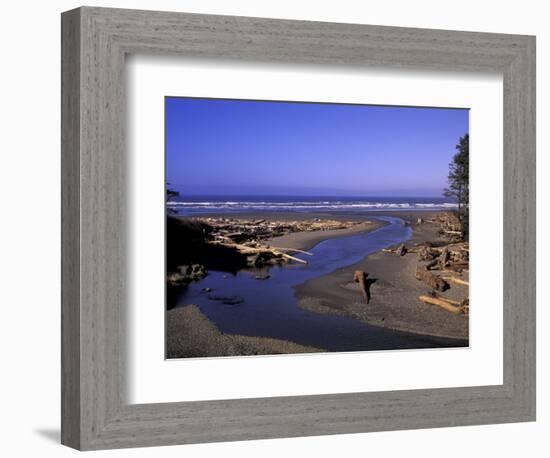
{"x": 170, "y": 194}
{"x": 458, "y": 181}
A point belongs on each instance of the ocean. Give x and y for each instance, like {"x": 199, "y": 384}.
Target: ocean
{"x": 203, "y": 205}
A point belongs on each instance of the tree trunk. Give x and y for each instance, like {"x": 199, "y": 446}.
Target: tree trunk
{"x": 361, "y": 277}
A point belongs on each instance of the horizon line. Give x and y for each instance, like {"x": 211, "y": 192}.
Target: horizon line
{"x": 315, "y": 195}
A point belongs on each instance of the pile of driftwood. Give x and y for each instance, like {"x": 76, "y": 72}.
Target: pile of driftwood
{"x": 241, "y": 230}
{"x": 260, "y": 254}
{"x": 449, "y": 225}
{"x": 441, "y": 264}
{"x": 449, "y": 263}
{"x": 251, "y": 237}
{"x": 447, "y": 304}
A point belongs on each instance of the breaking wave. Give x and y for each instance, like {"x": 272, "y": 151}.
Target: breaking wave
{"x": 238, "y": 206}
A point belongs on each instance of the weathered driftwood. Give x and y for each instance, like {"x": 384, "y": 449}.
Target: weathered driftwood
{"x": 251, "y": 237}
{"x": 287, "y": 256}
{"x": 361, "y": 277}
{"x": 457, "y": 281}
{"x": 439, "y": 296}
{"x": 260, "y": 255}
{"x": 444, "y": 304}
{"x": 264, "y": 250}
{"x": 427, "y": 253}
{"x": 443, "y": 258}
{"x": 454, "y": 268}
{"x": 459, "y": 265}
{"x": 243, "y": 230}
{"x": 433, "y": 263}
{"x": 448, "y": 221}
{"x": 401, "y": 250}
{"x": 295, "y": 250}
{"x": 433, "y": 281}
{"x": 452, "y": 232}
{"x": 451, "y": 257}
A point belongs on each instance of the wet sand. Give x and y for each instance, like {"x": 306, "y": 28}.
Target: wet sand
{"x": 189, "y": 334}
{"x": 394, "y": 295}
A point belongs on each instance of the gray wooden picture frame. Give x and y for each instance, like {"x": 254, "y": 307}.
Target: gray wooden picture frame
{"x": 95, "y": 412}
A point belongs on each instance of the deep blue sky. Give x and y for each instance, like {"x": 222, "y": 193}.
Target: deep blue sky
{"x": 277, "y": 148}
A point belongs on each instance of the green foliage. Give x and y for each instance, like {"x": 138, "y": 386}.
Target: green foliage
{"x": 170, "y": 194}
{"x": 459, "y": 181}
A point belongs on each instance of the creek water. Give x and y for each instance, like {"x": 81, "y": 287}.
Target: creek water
{"x": 242, "y": 304}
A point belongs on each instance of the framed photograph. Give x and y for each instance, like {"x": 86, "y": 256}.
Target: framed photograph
{"x": 277, "y": 228}
{"x": 280, "y": 223}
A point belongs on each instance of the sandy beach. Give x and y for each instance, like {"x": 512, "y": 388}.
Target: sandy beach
{"x": 394, "y": 290}
{"x": 307, "y": 240}
{"x": 394, "y": 302}
{"x": 189, "y": 333}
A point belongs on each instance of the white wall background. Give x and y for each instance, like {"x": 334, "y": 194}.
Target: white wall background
{"x": 29, "y": 228}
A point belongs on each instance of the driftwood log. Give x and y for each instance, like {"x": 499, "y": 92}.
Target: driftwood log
{"x": 444, "y": 258}
{"x": 433, "y": 281}
{"x": 457, "y": 281}
{"x": 439, "y": 296}
{"x": 295, "y": 250}
{"x": 444, "y": 304}
{"x": 401, "y": 250}
{"x": 430, "y": 265}
{"x": 266, "y": 251}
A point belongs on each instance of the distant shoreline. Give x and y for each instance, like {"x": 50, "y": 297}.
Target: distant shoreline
{"x": 241, "y": 205}
{"x": 307, "y": 240}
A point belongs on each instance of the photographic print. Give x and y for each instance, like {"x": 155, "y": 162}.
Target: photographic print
{"x": 305, "y": 227}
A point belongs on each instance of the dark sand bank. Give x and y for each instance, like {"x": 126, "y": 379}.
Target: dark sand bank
{"x": 187, "y": 243}
{"x": 394, "y": 295}
{"x": 189, "y": 333}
